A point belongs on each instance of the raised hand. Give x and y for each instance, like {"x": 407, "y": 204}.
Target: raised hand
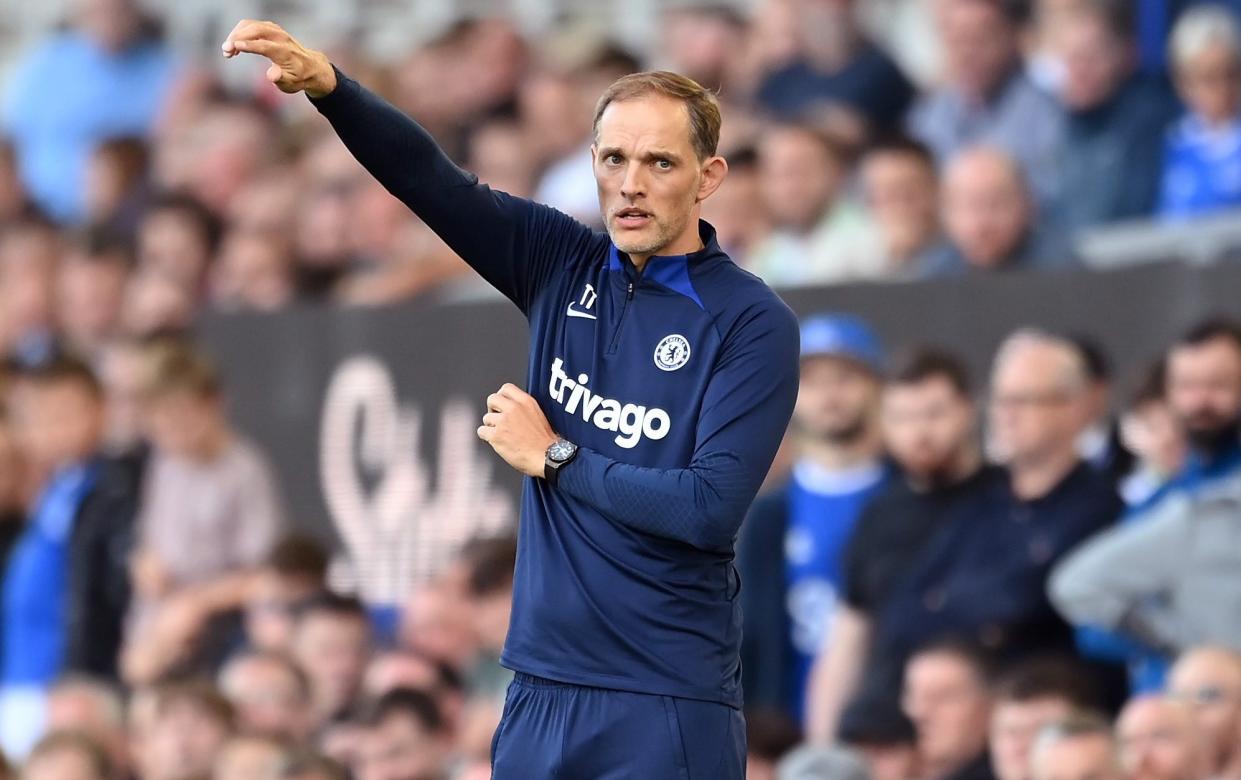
{"x": 294, "y": 68}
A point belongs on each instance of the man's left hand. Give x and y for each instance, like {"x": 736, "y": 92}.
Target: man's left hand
{"x": 517, "y": 429}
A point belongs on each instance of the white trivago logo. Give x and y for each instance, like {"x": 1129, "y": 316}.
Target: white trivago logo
{"x": 629, "y": 421}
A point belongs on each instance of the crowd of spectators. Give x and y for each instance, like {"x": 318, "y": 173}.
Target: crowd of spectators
{"x": 1048, "y": 601}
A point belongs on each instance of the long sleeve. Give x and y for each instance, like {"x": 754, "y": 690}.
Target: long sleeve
{"x": 745, "y": 411}
{"x": 513, "y": 243}
{"x": 1119, "y": 579}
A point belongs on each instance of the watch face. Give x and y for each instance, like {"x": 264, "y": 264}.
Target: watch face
{"x": 560, "y": 451}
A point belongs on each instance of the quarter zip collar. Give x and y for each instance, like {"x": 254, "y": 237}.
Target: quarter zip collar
{"x": 619, "y": 261}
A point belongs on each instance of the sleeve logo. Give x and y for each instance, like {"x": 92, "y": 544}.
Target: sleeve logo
{"x": 672, "y": 352}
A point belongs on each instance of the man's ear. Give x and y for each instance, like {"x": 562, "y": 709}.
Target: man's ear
{"x": 713, "y": 172}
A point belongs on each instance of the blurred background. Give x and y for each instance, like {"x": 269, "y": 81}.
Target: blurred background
{"x": 247, "y": 531}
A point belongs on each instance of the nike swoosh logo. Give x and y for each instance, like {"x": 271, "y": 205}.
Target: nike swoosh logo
{"x": 572, "y": 312}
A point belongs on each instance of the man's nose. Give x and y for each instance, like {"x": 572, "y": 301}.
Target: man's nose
{"x": 634, "y": 183}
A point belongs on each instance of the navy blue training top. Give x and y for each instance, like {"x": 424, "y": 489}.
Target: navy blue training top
{"x": 677, "y": 385}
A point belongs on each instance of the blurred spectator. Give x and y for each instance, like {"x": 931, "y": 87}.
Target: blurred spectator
{"x": 177, "y": 238}
{"x": 111, "y": 75}
{"x": 190, "y": 723}
{"x": 1100, "y": 443}
{"x": 770, "y": 735}
{"x": 209, "y": 514}
{"x": 58, "y": 419}
{"x": 255, "y": 272}
{"x": 405, "y": 740}
{"x": 156, "y": 304}
{"x": 884, "y": 736}
{"x": 499, "y": 156}
{"x": 792, "y": 547}
{"x": 270, "y": 695}
{"x": 490, "y": 590}
{"x": 65, "y": 755}
{"x": 232, "y": 143}
{"x": 1008, "y": 538}
{"x": 736, "y": 209}
{"x": 250, "y": 757}
{"x": 819, "y": 235}
{"x": 836, "y": 67}
{"x": 90, "y": 288}
{"x": 29, "y": 253}
{"x": 811, "y": 762}
{"x": 295, "y": 570}
{"x": 1180, "y": 547}
{"x": 947, "y": 696}
{"x": 701, "y": 41}
{"x": 991, "y": 218}
{"x": 1116, "y": 120}
{"x": 929, "y": 425}
{"x": 1079, "y": 748}
{"x": 987, "y": 98}
{"x": 312, "y": 766}
{"x": 1150, "y": 430}
{"x": 1208, "y": 679}
{"x": 94, "y": 709}
{"x": 116, "y": 185}
{"x": 1202, "y": 155}
{"x": 901, "y": 188}
{"x": 1030, "y": 697}
{"x": 1158, "y": 741}
{"x": 331, "y": 643}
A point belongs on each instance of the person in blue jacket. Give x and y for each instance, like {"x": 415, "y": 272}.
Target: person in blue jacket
{"x": 660, "y": 382}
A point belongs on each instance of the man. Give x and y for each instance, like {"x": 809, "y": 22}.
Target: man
{"x": 1029, "y": 697}
{"x": 986, "y": 97}
{"x": 1163, "y": 578}
{"x": 57, "y": 410}
{"x": 251, "y": 757}
{"x": 1208, "y": 679}
{"x": 1158, "y": 741}
{"x": 991, "y": 219}
{"x": 270, "y": 694}
{"x": 187, "y": 726}
{"x": 1113, "y": 151}
{"x": 900, "y": 184}
{"x": 90, "y": 286}
{"x": 884, "y": 736}
{"x": 947, "y": 696}
{"x": 1079, "y": 748}
{"x": 406, "y": 739}
{"x": 818, "y": 234}
{"x": 663, "y": 376}
{"x": 792, "y": 551}
{"x": 66, "y": 755}
{"x": 295, "y": 570}
{"x": 1008, "y": 539}
{"x": 331, "y": 643}
{"x": 95, "y": 710}
{"x": 929, "y": 425}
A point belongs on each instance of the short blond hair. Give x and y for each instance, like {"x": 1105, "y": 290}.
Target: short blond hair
{"x": 701, "y": 104}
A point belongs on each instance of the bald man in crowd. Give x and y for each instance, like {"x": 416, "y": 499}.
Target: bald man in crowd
{"x": 1208, "y": 680}
{"x": 992, "y": 220}
{"x": 1159, "y": 741}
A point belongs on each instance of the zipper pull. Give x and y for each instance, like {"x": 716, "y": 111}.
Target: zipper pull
{"x": 629, "y": 294}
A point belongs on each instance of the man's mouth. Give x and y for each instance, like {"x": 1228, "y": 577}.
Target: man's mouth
{"x": 632, "y": 217}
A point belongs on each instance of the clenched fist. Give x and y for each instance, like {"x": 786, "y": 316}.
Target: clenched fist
{"x": 294, "y": 68}
{"x": 517, "y": 429}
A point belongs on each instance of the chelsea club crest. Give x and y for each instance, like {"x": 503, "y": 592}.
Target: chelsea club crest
{"x": 672, "y": 352}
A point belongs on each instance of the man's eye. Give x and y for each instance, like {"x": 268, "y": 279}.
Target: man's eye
{"x": 613, "y": 159}
{"x": 663, "y": 165}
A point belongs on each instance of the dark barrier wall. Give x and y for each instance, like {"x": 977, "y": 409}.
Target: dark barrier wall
{"x": 369, "y": 414}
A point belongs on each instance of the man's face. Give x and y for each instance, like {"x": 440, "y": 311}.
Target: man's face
{"x": 399, "y": 748}
{"x": 986, "y": 210}
{"x": 1014, "y": 727}
{"x": 1095, "y": 62}
{"x": 902, "y": 193}
{"x": 927, "y": 427}
{"x": 837, "y": 400}
{"x": 950, "y": 708}
{"x": 182, "y": 743}
{"x": 333, "y": 651}
{"x": 57, "y": 422}
{"x": 1158, "y": 742}
{"x": 1210, "y": 83}
{"x": 799, "y": 178}
{"x": 1090, "y": 757}
{"x": 63, "y": 764}
{"x": 890, "y": 762}
{"x": 267, "y": 697}
{"x": 171, "y": 242}
{"x": 1035, "y": 411}
{"x": 980, "y": 44}
{"x": 1209, "y": 682}
{"x": 1204, "y": 387}
{"x": 648, "y": 175}
{"x": 249, "y": 759}
{"x": 89, "y": 297}
{"x": 269, "y": 612}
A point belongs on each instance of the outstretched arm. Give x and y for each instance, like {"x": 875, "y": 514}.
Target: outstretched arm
{"x": 513, "y": 243}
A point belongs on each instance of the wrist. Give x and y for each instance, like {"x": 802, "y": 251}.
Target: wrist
{"x": 324, "y": 82}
